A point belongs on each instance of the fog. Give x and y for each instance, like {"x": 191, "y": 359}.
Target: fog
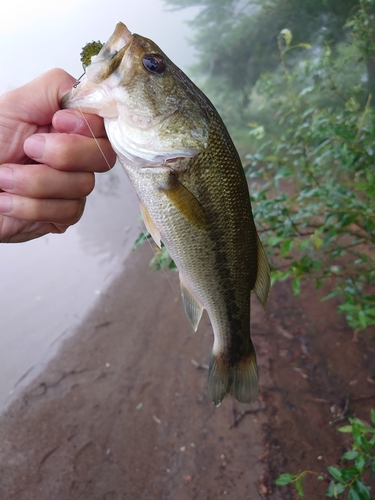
{"x": 40, "y": 35}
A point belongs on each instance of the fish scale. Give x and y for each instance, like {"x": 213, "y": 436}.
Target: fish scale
{"x": 192, "y": 190}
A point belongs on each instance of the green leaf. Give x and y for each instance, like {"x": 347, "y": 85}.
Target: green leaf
{"x": 373, "y": 416}
{"x": 141, "y": 239}
{"x": 308, "y": 89}
{"x": 286, "y": 247}
{"x": 357, "y": 436}
{"x": 287, "y": 35}
{"x": 284, "y": 479}
{"x": 362, "y": 490}
{"x": 273, "y": 158}
{"x": 274, "y": 240}
{"x": 349, "y": 473}
{"x": 350, "y": 455}
{"x": 362, "y": 319}
{"x": 345, "y": 428}
{"x": 360, "y": 462}
{"x": 296, "y": 286}
{"x": 304, "y": 45}
{"x": 299, "y": 489}
{"x": 335, "y": 489}
{"x": 335, "y": 473}
{"x": 353, "y": 495}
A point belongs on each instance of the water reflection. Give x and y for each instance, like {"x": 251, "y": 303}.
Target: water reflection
{"x": 112, "y": 215}
{"x": 49, "y": 284}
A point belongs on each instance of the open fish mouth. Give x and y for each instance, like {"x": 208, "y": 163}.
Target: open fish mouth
{"x": 102, "y": 75}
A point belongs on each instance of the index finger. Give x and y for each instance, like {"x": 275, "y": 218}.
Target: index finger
{"x": 74, "y": 121}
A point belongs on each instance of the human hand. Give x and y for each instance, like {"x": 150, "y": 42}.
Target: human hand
{"x": 47, "y": 159}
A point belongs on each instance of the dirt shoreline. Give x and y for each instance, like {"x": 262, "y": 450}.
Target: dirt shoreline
{"x": 122, "y": 412}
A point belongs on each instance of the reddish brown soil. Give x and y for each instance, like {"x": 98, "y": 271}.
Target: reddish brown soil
{"x": 122, "y": 412}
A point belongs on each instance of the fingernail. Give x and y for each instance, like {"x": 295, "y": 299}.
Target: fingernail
{"x": 6, "y": 178}
{"x": 34, "y": 146}
{"x": 67, "y": 121}
{"x": 5, "y": 203}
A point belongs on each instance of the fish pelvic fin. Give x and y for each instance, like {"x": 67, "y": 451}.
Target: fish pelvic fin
{"x": 193, "y": 308}
{"x": 150, "y": 226}
{"x": 263, "y": 281}
{"x": 239, "y": 380}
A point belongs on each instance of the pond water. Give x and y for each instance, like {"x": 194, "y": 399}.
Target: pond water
{"x": 49, "y": 284}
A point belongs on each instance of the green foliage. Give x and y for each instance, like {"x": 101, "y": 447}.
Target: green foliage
{"x": 314, "y": 177}
{"x": 362, "y": 26}
{"x": 354, "y": 464}
{"x": 161, "y": 258}
{"x": 236, "y": 42}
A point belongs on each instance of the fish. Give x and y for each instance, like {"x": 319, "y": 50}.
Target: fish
{"x": 192, "y": 191}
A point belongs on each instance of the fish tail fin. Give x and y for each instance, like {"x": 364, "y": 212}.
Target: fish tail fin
{"x": 239, "y": 379}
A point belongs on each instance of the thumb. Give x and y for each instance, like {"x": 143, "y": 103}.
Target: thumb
{"x": 37, "y": 101}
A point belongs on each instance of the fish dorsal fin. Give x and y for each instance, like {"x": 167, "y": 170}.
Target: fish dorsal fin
{"x": 185, "y": 202}
{"x": 262, "y": 284}
{"x": 193, "y": 308}
{"x": 150, "y": 225}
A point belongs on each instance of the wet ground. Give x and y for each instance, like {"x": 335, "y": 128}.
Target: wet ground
{"x": 122, "y": 410}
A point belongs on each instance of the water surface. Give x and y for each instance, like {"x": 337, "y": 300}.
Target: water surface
{"x": 49, "y": 284}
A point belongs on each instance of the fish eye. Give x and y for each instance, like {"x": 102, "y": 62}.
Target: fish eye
{"x": 154, "y": 64}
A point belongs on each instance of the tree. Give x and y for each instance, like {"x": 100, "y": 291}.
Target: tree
{"x": 236, "y": 39}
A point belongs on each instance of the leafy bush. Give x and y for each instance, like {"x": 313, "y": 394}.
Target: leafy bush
{"x": 314, "y": 199}
{"x": 355, "y": 463}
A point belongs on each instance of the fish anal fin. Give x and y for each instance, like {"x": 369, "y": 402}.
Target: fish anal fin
{"x": 263, "y": 281}
{"x": 185, "y": 202}
{"x": 239, "y": 380}
{"x": 150, "y": 226}
{"x": 193, "y": 308}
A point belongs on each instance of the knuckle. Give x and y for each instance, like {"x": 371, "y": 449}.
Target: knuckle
{"x": 74, "y": 211}
{"x": 63, "y": 153}
{"x": 88, "y": 183}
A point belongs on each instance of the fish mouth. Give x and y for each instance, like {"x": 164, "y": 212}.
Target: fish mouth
{"x": 102, "y": 69}
{"x": 116, "y": 46}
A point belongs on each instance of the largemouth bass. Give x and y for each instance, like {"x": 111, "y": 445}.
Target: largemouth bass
{"x": 192, "y": 190}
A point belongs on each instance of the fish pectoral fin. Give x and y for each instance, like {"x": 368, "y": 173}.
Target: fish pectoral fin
{"x": 150, "y": 225}
{"x": 240, "y": 380}
{"x": 263, "y": 281}
{"x": 193, "y": 308}
{"x": 185, "y": 202}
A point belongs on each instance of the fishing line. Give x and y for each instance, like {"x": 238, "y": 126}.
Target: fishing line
{"x": 110, "y": 168}
{"x": 88, "y": 125}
